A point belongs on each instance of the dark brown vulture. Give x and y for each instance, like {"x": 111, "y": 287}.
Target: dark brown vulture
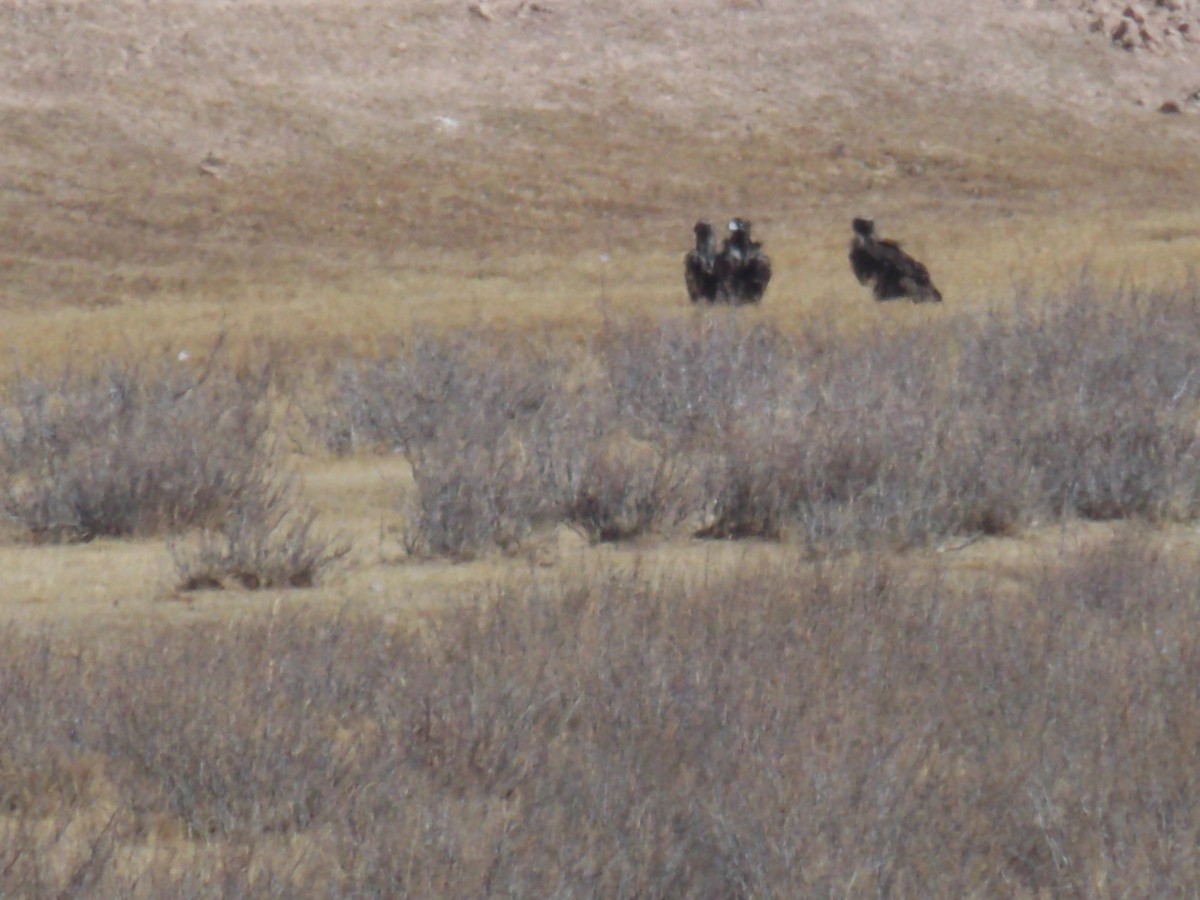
{"x": 743, "y": 270}
{"x": 699, "y": 265}
{"x": 895, "y": 273}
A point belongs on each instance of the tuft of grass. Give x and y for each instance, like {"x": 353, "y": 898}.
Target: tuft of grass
{"x": 266, "y": 544}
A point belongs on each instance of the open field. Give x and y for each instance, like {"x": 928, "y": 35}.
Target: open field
{"x": 516, "y": 574}
{"x": 375, "y": 165}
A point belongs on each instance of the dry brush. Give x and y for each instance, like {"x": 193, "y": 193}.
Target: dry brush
{"x": 883, "y": 728}
{"x": 1081, "y": 406}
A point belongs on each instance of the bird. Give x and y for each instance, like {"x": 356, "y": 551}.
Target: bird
{"x": 743, "y": 270}
{"x": 699, "y": 265}
{"x": 895, "y": 273}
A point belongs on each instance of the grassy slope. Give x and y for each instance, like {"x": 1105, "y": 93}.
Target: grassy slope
{"x": 345, "y": 206}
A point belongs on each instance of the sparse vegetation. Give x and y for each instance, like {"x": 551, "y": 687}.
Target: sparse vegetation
{"x": 851, "y": 722}
{"x": 132, "y": 451}
{"x": 882, "y": 728}
{"x": 969, "y": 426}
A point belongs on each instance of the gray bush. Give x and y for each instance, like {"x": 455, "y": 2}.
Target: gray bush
{"x": 131, "y": 450}
{"x": 267, "y": 543}
{"x": 1078, "y": 406}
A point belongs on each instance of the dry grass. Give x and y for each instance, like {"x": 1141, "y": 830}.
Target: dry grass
{"x": 345, "y": 208}
{"x": 913, "y": 733}
{"x": 775, "y": 721}
{"x": 466, "y": 236}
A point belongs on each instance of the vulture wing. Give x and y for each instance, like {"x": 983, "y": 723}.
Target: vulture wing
{"x": 756, "y": 276}
{"x": 911, "y": 276}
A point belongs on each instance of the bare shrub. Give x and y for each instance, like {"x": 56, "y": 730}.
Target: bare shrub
{"x": 1094, "y": 398}
{"x": 862, "y": 451}
{"x": 626, "y": 488}
{"x": 433, "y": 383}
{"x": 756, "y": 490}
{"x": 1083, "y": 406}
{"x": 131, "y": 450}
{"x": 976, "y": 427}
{"x": 685, "y": 382}
{"x": 473, "y": 494}
{"x": 471, "y": 412}
{"x": 268, "y": 543}
{"x": 597, "y": 448}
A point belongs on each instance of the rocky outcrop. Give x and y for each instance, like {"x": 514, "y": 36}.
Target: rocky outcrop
{"x": 1160, "y": 26}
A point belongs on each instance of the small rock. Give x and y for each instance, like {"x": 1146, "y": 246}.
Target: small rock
{"x": 1123, "y": 35}
{"x": 212, "y": 165}
{"x": 1170, "y": 108}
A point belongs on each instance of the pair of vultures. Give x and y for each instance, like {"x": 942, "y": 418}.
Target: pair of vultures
{"x": 738, "y": 274}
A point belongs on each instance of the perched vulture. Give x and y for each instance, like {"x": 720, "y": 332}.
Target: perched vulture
{"x": 743, "y": 270}
{"x": 699, "y": 265}
{"x": 895, "y": 273}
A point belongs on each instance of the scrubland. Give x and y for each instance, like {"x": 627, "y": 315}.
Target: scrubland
{"x": 893, "y": 727}
{"x": 923, "y": 672}
{"x": 379, "y": 519}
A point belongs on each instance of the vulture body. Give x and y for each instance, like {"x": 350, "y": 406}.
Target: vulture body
{"x": 895, "y": 274}
{"x": 743, "y": 270}
{"x": 699, "y": 265}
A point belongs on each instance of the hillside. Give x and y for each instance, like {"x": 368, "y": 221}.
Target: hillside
{"x": 345, "y": 169}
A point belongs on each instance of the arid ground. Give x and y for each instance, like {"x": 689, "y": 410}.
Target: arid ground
{"x": 305, "y": 197}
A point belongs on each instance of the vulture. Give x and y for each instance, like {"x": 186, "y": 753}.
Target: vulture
{"x": 699, "y": 265}
{"x": 743, "y": 270}
{"x": 895, "y": 273}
